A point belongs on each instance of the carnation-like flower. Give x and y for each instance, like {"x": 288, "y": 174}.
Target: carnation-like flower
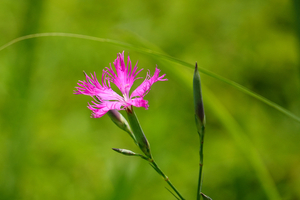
{"x": 105, "y": 98}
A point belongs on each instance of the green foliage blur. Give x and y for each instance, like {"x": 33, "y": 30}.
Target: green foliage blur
{"x": 50, "y": 148}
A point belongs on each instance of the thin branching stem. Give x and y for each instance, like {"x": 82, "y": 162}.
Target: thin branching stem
{"x": 158, "y": 170}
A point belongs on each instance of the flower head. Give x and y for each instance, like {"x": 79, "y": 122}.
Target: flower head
{"x": 105, "y": 98}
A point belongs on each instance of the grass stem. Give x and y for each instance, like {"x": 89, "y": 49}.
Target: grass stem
{"x": 154, "y": 165}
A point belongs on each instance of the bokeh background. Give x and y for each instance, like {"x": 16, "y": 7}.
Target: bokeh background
{"x": 50, "y": 148}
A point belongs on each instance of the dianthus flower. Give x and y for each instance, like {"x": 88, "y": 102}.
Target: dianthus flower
{"x": 105, "y": 98}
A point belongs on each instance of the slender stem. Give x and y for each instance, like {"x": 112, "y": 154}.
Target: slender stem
{"x": 154, "y": 165}
{"x": 172, "y": 193}
{"x": 201, "y": 137}
{"x": 145, "y": 146}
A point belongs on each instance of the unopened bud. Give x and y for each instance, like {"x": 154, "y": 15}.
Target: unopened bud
{"x": 125, "y": 152}
{"x": 198, "y": 101}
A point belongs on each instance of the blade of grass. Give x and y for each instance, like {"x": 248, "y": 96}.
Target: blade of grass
{"x": 172, "y": 193}
{"x": 160, "y": 56}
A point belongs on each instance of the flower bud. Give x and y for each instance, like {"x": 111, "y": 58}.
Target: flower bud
{"x": 125, "y": 152}
{"x": 198, "y": 102}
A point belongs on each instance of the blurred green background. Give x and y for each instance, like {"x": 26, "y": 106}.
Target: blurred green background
{"x": 50, "y": 148}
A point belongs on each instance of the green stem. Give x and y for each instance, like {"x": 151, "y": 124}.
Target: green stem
{"x": 145, "y": 146}
{"x": 154, "y": 165}
{"x": 201, "y": 137}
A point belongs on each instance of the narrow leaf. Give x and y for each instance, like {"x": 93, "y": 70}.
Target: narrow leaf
{"x": 205, "y": 197}
{"x": 172, "y": 193}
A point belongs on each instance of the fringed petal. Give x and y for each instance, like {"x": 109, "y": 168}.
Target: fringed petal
{"x": 139, "y": 102}
{"x": 124, "y": 76}
{"x": 101, "y": 109}
{"x": 92, "y": 87}
{"x": 145, "y": 87}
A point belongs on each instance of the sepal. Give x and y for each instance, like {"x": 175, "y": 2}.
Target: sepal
{"x": 121, "y": 122}
{"x": 141, "y": 139}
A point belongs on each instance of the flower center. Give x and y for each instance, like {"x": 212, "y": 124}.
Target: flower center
{"x": 125, "y": 92}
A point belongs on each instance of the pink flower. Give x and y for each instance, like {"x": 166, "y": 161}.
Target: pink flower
{"x": 106, "y": 99}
